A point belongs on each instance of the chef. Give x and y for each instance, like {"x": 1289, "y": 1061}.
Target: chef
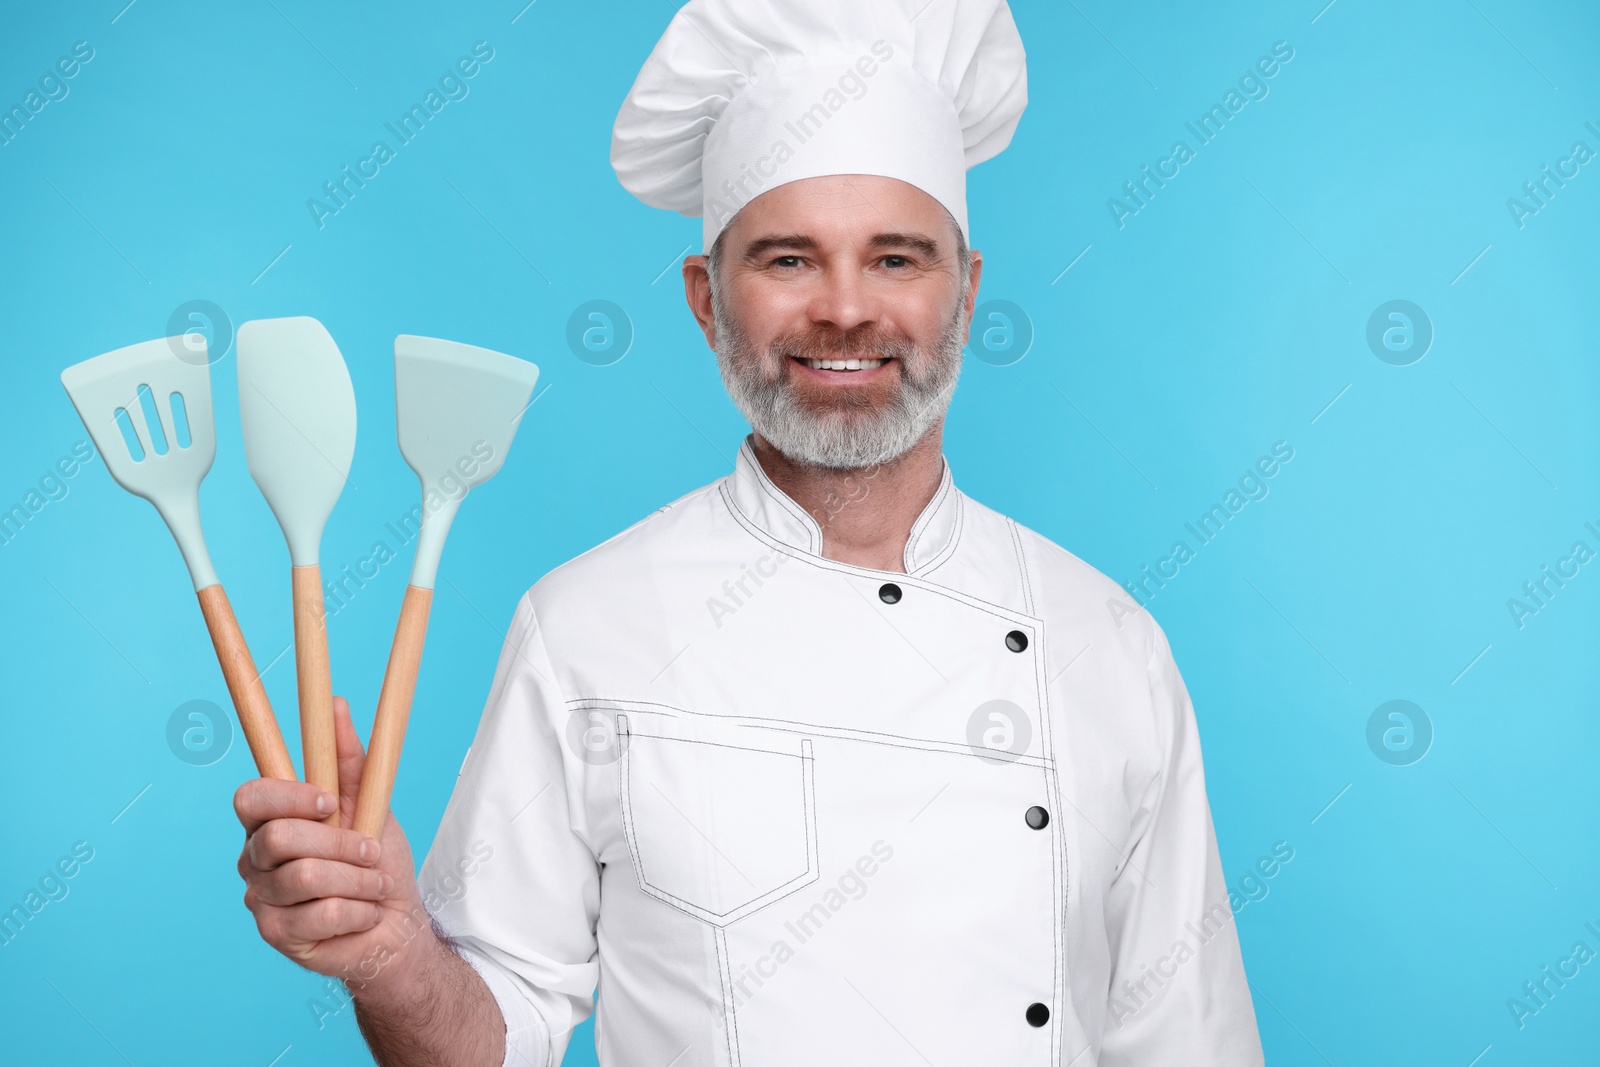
{"x": 824, "y": 763}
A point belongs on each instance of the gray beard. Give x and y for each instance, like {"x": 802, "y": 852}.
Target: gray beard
{"x": 848, "y": 436}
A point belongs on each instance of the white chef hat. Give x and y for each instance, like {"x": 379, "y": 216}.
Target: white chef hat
{"x": 741, "y": 96}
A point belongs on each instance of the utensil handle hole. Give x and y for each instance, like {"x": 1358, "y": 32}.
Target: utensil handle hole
{"x": 152, "y": 421}
{"x": 180, "y": 421}
{"x": 130, "y": 436}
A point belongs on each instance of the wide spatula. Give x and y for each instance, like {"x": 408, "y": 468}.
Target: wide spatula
{"x": 457, "y": 408}
{"x": 298, "y": 411}
{"x": 149, "y": 412}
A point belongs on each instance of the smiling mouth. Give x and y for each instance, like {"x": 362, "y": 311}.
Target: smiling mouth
{"x": 842, "y": 364}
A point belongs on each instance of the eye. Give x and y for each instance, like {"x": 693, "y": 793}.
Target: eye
{"x": 786, "y": 261}
{"x": 895, "y": 262}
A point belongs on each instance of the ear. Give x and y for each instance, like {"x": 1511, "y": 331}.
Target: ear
{"x": 697, "y": 291}
{"x": 972, "y": 290}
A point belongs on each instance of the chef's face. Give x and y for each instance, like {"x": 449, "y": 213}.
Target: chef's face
{"x": 838, "y": 315}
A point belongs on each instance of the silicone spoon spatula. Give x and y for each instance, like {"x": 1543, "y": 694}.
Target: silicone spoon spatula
{"x": 298, "y": 411}
{"x": 148, "y": 409}
{"x": 457, "y": 408}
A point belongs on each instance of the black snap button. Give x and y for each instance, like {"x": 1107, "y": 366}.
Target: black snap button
{"x": 889, "y": 593}
{"x": 1017, "y": 641}
{"x": 1037, "y": 817}
{"x": 1038, "y": 1014}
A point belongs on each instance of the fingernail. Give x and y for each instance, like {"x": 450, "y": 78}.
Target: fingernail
{"x": 326, "y": 804}
{"x": 384, "y": 884}
{"x": 369, "y": 849}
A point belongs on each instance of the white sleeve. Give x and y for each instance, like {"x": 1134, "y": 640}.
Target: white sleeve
{"x": 1178, "y": 993}
{"x": 507, "y": 876}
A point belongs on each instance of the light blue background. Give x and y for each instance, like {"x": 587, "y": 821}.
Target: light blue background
{"x": 1223, "y": 317}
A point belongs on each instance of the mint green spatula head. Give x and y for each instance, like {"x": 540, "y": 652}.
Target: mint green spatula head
{"x": 456, "y": 410}
{"x": 298, "y": 411}
{"x": 149, "y": 413}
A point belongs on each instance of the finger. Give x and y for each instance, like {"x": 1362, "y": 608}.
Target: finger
{"x": 318, "y": 920}
{"x": 301, "y": 880}
{"x": 261, "y": 800}
{"x": 282, "y": 840}
{"x": 347, "y": 743}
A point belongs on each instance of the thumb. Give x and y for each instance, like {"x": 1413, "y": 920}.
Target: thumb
{"x": 352, "y": 757}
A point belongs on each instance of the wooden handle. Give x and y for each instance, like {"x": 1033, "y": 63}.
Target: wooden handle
{"x": 394, "y": 711}
{"x": 244, "y": 686}
{"x": 316, "y": 683}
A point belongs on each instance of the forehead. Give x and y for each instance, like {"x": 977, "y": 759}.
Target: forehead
{"x": 843, "y": 210}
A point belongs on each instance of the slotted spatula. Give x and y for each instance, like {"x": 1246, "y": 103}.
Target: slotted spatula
{"x": 149, "y": 412}
{"x": 298, "y": 411}
{"x": 457, "y": 408}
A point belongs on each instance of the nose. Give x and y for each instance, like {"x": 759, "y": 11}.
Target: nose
{"x": 842, "y": 300}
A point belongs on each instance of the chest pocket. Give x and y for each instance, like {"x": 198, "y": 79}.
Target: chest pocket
{"x": 720, "y": 821}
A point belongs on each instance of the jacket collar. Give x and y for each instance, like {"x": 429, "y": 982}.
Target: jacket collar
{"x": 754, "y": 496}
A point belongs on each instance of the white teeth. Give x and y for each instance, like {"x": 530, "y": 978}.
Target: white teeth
{"x": 844, "y": 364}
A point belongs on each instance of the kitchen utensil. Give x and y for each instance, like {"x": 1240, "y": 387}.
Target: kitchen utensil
{"x": 457, "y": 408}
{"x": 298, "y": 411}
{"x": 148, "y": 408}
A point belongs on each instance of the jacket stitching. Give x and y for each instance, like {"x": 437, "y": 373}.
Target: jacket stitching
{"x": 949, "y": 551}
{"x": 918, "y": 744}
{"x": 1022, "y": 564}
{"x": 730, "y": 1029}
{"x": 925, "y": 520}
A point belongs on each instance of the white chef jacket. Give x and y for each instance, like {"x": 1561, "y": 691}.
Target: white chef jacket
{"x": 790, "y": 811}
